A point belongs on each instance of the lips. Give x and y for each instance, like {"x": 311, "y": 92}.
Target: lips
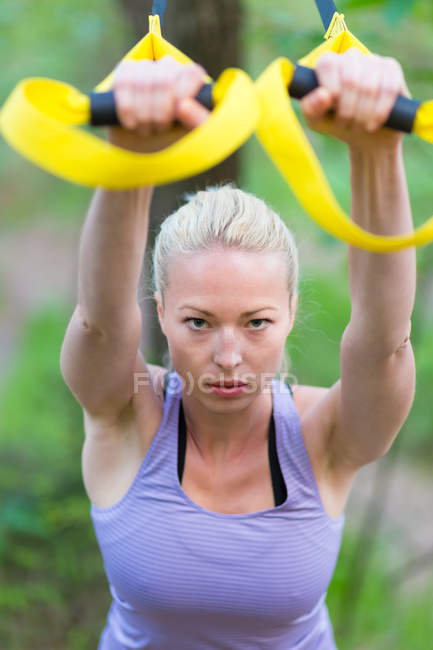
{"x": 229, "y": 384}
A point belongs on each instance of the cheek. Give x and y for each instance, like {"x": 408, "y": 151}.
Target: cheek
{"x": 185, "y": 349}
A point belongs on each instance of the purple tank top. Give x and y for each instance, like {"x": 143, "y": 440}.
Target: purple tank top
{"x": 186, "y": 578}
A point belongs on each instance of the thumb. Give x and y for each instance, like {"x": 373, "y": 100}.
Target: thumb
{"x": 191, "y": 113}
{"x": 317, "y": 103}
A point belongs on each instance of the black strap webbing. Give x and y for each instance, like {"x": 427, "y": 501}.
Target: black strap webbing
{"x": 327, "y": 10}
{"x": 159, "y": 8}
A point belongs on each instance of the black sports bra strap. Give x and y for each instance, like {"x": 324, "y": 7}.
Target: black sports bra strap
{"x": 278, "y": 483}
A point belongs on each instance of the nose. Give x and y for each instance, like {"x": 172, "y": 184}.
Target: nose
{"x": 227, "y": 353}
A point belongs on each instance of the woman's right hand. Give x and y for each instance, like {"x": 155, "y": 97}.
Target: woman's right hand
{"x": 150, "y": 97}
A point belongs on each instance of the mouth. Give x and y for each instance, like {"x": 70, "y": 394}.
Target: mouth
{"x": 229, "y": 384}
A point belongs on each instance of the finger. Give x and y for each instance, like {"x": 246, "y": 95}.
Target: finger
{"x": 350, "y": 76}
{"x": 191, "y": 113}
{"x": 317, "y": 103}
{"x": 191, "y": 79}
{"x": 370, "y": 87}
{"x": 163, "y": 101}
{"x": 124, "y": 96}
{"x": 392, "y": 83}
{"x": 328, "y": 74}
{"x": 145, "y": 75}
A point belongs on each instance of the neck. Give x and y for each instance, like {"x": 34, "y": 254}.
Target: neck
{"x": 222, "y": 436}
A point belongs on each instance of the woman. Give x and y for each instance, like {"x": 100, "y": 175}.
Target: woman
{"x": 219, "y": 510}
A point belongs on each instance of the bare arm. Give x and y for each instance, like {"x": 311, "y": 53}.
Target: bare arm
{"x": 100, "y": 348}
{"x": 100, "y": 352}
{"x": 373, "y": 398}
{"x": 112, "y": 246}
{"x": 377, "y": 363}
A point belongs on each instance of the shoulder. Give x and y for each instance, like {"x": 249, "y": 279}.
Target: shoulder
{"x": 158, "y": 375}
{"x": 308, "y": 398}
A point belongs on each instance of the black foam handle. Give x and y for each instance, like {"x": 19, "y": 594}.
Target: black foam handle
{"x": 103, "y": 106}
{"x": 402, "y": 116}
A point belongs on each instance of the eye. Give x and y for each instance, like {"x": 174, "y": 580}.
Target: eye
{"x": 195, "y": 320}
{"x": 259, "y": 320}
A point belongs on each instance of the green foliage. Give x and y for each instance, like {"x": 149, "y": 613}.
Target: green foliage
{"x": 418, "y": 428}
{"x": 393, "y": 10}
{"x": 45, "y": 39}
{"x": 315, "y": 341}
{"x": 2, "y": 294}
{"x": 383, "y": 616}
{"x": 48, "y": 552}
{"x": 76, "y": 42}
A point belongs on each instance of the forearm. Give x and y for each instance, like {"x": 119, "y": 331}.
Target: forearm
{"x": 112, "y": 246}
{"x": 382, "y": 285}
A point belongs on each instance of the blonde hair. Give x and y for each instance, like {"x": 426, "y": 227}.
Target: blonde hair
{"x": 223, "y": 216}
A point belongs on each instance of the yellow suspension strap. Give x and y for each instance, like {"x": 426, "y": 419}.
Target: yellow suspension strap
{"x": 41, "y": 120}
{"x": 282, "y": 136}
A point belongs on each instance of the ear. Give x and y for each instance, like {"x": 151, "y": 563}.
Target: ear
{"x": 293, "y": 308}
{"x": 159, "y": 310}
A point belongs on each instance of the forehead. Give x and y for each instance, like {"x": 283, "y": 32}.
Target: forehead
{"x": 229, "y": 275}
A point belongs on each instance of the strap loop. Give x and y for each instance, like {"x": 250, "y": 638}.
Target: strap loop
{"x": 282, "y": 136}
{"x": 336, "y": 26}
{"x": 41, "y": 116}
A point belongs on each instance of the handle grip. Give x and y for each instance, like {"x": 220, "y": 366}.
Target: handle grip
{"x": 402, "y": 116}
{"x": 103, "y": 106}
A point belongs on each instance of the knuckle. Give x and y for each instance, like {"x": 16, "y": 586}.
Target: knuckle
{"x": 123, "y": 99}
{"x": 167, "y": 59}
{"x": 389, "y": 89}
{"x": 124, "y": 110}
{"x": 392, "y": 63}
{"x": 368, "y": 89}
{"x": 162, "y": 83}
{"x": 353, "y": 52}
{"x": 195, "y": 70}
{"x": 169, "y": 65}
{"x": 349, "y": 81}
{"x": 122, "y": 78}
{"x": 327, "y": 61}
{"x": 164, "y": 113}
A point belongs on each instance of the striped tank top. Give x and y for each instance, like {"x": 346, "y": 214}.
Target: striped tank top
{"x": 186, "y": 578}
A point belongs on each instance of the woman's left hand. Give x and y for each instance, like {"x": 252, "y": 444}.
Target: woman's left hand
{"x": 360, "y": 90}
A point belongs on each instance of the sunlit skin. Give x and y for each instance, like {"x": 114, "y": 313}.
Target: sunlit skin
{"x": 227, "y": 283}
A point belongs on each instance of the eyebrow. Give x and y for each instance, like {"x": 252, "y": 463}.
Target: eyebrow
{"x": 208, "y": 313}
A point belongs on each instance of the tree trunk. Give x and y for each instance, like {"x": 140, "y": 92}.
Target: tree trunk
{"x": 209, "y": 33}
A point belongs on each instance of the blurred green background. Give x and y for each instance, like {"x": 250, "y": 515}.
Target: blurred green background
{"x": 53, "y": 592}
